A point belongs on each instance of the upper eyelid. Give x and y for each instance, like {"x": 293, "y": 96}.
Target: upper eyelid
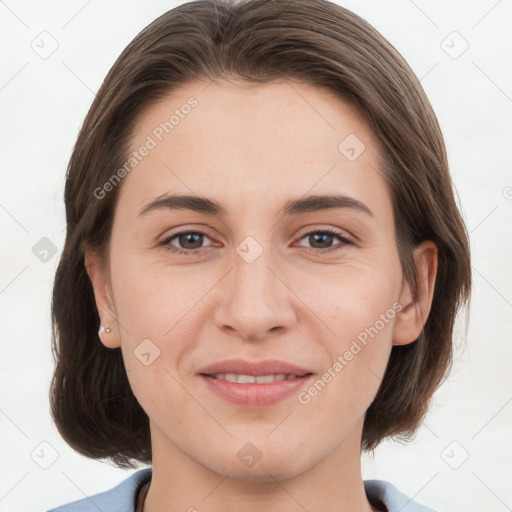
{"x": 335, "y": 231}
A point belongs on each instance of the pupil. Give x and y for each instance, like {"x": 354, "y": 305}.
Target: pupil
{"x": 186, "y": 237}
{"x": 325, "y": 236}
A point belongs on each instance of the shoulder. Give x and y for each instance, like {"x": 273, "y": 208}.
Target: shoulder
{"x": 121, "y": 498}
{"x": 391, "y": 497}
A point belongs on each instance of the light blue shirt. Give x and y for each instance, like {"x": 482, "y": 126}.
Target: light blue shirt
{"x": 123, "y": 497}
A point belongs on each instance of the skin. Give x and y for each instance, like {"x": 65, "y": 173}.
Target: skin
{"x": 252, "y": 149}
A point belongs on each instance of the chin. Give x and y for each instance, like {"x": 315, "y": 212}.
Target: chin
{"x": 271, "y": 467}
{"x": 267, "y": 473}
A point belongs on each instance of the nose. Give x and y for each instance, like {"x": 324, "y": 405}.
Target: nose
{"x": 255, "y": 299}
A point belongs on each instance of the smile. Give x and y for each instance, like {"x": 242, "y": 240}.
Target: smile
{"x": 251, "y": 379}
{"x": 255, "y": 391}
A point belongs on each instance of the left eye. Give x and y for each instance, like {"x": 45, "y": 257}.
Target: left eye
{"x": 325, "y": 236}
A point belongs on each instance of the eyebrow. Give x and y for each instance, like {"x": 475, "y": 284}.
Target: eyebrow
{"x": 307, "y": 204}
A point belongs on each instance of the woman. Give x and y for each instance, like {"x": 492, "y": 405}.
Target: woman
{"x": 263, "y": 263}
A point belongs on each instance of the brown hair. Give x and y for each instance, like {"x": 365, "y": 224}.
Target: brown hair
{"x": 313, "y": 41}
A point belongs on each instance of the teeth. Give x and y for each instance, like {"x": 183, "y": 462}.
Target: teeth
{"x": 251, "y": 379}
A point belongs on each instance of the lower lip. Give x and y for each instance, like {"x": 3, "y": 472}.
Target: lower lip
{"x": 267, "y": 393}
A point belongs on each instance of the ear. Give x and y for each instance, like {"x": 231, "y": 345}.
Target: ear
{"x": 415, "y": 309}
{"x": 103, "y": 296}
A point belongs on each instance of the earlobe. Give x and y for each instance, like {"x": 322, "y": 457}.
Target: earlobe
{"x": 104, "y": 302}
{"x": 416, "y": 307}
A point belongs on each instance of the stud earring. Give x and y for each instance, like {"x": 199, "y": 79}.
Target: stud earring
{"x": 104, "y": 328}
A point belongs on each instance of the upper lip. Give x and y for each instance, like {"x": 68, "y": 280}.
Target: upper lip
{"x": 256, "y": 368}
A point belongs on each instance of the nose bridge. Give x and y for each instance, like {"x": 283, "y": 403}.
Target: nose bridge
{"x": 251, "y": 276}
{"x": 254, "y": 299}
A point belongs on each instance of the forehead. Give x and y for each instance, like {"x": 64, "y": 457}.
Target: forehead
{"x": 237, "y": 141}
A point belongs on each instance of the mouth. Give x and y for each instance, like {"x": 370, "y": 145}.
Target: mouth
{"x": 254, "y": 384}
{"x": 254, "y": 379}
{"x": 254, "y": 391}
{"x": 245, "y": 370}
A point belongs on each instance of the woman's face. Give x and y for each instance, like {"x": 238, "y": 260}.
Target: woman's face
{"x": 259, "y": 280}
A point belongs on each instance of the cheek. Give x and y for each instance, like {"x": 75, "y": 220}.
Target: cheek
{"x": 358, "y": 307}
{"x": 155, "y": 299}
{"x": 159, "y": 309}
{"x": 350, "y": 299}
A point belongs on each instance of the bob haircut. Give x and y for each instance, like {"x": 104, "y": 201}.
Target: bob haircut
{"x": 313, "y": 41}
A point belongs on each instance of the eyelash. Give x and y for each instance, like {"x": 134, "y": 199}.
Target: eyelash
{"x": 166, "y": 242}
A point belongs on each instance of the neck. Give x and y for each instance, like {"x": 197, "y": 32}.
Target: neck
{"x": 180, "y": 483}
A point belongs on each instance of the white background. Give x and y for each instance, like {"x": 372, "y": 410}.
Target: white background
{"x": 44, "y": 102}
